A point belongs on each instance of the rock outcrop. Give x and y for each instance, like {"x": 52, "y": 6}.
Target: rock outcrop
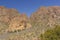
{"x": 27, "y": 28}
{"x": 19, "y": 23}
{"x": 46, "y": 17}
{"x": 13, "y": 19}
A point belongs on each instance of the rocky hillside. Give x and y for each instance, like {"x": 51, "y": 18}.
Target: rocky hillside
{"x": 46, "y": 17}
{"x": 16, "y": 26}
{"x": 12, "y": 20}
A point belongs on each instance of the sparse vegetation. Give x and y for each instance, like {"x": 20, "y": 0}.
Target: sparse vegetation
{"x": 52, "y": 34}
{"x": 40, "y": 25}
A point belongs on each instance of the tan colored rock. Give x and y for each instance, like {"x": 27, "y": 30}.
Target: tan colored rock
{"x": 13, "y": 19}
{"x": 46, "y": 17}
{"x": 19, "y": 23}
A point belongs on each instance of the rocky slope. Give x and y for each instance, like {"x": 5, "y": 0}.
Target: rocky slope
{"x": 12, "y": 20}
{"x": 46, "y": 17}
{"x": 20, "y": 27}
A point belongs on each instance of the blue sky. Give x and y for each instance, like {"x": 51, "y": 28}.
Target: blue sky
{"x": 28, "y": 6}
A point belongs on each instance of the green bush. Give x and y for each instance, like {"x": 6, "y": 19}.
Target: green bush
{"x": 53, "y": 34}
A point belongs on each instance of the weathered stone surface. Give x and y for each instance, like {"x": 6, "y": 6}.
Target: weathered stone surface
{"x": 19, "y": 23}
{"x": 46, "y": 17}
{"x": 14, "y": 20}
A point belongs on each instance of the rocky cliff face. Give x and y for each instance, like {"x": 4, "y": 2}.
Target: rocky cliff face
{"x": 13, "y": 19}
{"x": 46, "y": 17}
{"x": 19, "y": 23}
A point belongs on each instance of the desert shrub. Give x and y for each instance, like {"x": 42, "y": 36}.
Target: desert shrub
{"x": 53, "y": 34}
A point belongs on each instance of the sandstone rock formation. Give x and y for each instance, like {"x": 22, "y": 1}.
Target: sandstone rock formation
{"x": 46, "y": 17}
{"x": 13, "y": 19}
{"x": 19, "y": 23}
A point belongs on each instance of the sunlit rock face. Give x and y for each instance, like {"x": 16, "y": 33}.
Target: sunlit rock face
{"x": 19, "y": 23}
{"x": 46, "y": 17}
{"x": 13, "y": 19}
{"x": 7, "y": 14}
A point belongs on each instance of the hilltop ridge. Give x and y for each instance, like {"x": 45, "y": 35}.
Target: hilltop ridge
{"x": 19, "y": 27}
{"x": 13, "y": 19}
